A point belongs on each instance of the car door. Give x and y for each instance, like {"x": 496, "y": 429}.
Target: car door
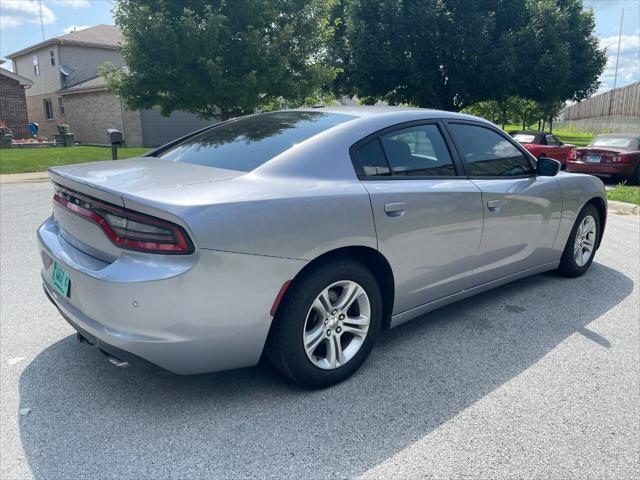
{"x": 554, "y": 148}
{"x": 521, "y": 209}
{"x": 428, "y": 219}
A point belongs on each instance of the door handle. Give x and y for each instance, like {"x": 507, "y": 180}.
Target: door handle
{"x": 395, "y": 209}
{"x": 495, "y": 205}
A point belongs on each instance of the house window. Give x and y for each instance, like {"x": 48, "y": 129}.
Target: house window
{"x": 48, "y": 109}
{"x": 61, "y": 106}
{"x": 36, "y": 65}
{"x": 52, "y": 57}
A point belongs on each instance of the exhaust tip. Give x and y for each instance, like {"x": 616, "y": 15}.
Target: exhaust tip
{"x": 115, "y": 361}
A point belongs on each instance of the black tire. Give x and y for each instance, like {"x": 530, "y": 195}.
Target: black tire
{"x": 568, "y": 265}
{"x": 635, "y": 178}
{"x": 285, "y": 349}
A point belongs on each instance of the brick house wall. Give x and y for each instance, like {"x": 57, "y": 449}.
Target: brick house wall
{"x": 90, "y": 114}
{"x": 13, "y": 107}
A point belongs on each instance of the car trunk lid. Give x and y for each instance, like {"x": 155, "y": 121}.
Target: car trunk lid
{"x": 109, "y": 182}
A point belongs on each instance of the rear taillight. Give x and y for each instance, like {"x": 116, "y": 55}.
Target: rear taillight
{"x": 572, "y": 154}
{"x": 127, "y": 229}
{"x": 621, "y": 159}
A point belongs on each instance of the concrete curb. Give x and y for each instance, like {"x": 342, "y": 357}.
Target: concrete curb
{"x": 23, "y": 177}
{"x": 623, "y": 208}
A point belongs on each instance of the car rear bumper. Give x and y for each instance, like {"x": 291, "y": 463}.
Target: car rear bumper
{"x": 601, "y": 169}
{"x": 199, "y": 313}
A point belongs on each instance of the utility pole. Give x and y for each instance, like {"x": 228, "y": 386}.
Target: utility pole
{"x": 615, "y": 76}
{"x": 41, "y": 20}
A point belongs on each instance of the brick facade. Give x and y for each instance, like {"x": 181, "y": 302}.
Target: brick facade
{"x": 13, "y": 107}
{"x": 90, "y": 114}
{"x": 35, "y": 107}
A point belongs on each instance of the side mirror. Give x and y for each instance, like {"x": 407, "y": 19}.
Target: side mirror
{"x": 548, "y": 167}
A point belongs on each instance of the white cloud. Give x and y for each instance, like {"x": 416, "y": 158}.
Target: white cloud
{"x": 73, "y": 3}
{"x": 14, "y": 13}
{"x": 628, "y": 65}
{"x": 74, "y": 28}
{"x": 628, "y": 43}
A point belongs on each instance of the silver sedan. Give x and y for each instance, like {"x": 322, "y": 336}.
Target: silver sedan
{"x": 300, "y": 235}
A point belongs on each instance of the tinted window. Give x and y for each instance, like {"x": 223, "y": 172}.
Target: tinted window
{"x": 372, "y": 159}
{"x": 489, "y": 154}
{"x": 248, "y": 142}
{"x": 417, "y": 151}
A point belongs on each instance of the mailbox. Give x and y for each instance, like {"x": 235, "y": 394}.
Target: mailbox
{"x": 114, "y": 137}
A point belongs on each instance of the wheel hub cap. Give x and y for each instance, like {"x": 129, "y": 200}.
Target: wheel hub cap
{"x": 336, "y": 325}
{"x": 585, "y": 241}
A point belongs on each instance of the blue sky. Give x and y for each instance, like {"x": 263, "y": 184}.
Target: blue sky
{"x": 20, "y": 27}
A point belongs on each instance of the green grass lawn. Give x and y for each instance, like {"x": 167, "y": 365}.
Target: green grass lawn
{"x": 625, "y": 193}
{"x": 21, "y": 160}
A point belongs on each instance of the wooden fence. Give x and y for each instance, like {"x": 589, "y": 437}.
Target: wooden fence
{"x": 624, "y": 101}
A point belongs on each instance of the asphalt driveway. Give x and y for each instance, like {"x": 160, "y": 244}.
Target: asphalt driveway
{"x": 538, "y": 379}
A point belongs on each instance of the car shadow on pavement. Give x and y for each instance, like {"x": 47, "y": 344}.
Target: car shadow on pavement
{"x": 89, "y": 419}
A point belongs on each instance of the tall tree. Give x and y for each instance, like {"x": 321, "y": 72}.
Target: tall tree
{"x": 221, "y": 57}
{"x": 449, "y": 54}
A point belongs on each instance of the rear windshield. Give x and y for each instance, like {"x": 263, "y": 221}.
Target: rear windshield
{"x": 616, "y": 142}
{"x": 524, "y": 138}
{"x": 246, "y": 143}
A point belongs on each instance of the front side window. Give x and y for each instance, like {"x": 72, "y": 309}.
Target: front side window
{"x": 489, "y": 154}
{"x": 36, "y": 65}
{"x": 551, "y": 140}
{"x": 48, "y": 109}
{"x": 246, "y": 143}
{"x": 417, "y": 151}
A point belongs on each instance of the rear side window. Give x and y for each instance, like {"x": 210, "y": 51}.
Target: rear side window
{"x": 488, "y": 153}
{"x": 417, "y": 151}
{"x": 246, "y": 143}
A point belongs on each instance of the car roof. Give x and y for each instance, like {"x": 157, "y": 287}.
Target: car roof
{"x": 528, "y": 132}
{"x": 363, "y": 111}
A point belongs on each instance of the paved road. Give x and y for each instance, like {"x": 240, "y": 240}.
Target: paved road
{"x": 538, "y": 379}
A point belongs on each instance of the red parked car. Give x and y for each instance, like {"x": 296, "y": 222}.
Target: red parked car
{"x": 545, "y": 144}
{"x": 610, "y": 155}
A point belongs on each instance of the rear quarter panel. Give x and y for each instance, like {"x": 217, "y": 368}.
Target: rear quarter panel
{"x": 298, "y": 218}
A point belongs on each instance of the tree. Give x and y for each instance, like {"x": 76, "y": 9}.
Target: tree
{"x": 221, "y": 58}
{"x": 451, "y": 54}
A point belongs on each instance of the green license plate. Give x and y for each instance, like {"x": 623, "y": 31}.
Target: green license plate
{"x": 60, "y": 279}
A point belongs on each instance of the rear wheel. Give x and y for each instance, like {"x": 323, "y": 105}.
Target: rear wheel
{"x": 327, "y": 325}
{"x": 581, "y": 246}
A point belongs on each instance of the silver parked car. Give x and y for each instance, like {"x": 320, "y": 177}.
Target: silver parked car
{"x": 301, "y": 234}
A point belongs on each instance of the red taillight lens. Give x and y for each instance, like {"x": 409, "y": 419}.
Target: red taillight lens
{"x": 127, "y": 229}
{"x": 572, "y": 154}
{"x": 621, "y": 159}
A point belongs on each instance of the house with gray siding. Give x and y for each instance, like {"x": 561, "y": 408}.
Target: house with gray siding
{"x": 67, "y": 88}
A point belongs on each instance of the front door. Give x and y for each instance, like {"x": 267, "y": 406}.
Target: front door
{"x": 521, "y": 209}
{"x": 428, "y": 219}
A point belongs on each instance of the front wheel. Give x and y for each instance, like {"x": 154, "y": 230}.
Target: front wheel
{"x": 581, "y": 246}
{"x": 327, "y": 325}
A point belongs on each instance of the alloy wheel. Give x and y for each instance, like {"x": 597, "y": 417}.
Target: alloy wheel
{"x": 337, "y": 324}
